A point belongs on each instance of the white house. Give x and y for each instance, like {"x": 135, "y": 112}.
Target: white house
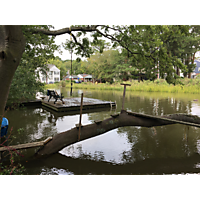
{"x": 51, "y": 76}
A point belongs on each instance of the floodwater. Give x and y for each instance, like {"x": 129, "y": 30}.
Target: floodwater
{"x": 171, "y": 149}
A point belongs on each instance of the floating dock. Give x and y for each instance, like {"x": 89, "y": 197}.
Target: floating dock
{"x": 73, "y": 104}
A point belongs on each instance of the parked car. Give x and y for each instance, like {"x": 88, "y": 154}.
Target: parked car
{"x": 77, "y": 81}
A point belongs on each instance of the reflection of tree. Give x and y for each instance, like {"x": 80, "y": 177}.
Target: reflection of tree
{"x": 33, "y": 123}
{"x": 79, "y": 153}
{"x": 157, "y": 106}
{"x": 99, "y": 115}
{"x": 170, "y": 142}
{"x": 52, "y": 119}
{"x": 173, "y": 141}
{"x": 57, "y": 162}
{"x": 166, "y": 142}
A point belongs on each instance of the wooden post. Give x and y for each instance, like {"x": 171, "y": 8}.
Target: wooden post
{"x": 124, "y": 94}
{"x": 110, "y": 104}
{"x": 79, "y": 132}
{"x": 0, "y": 143}
{"x": 1, "y": 118}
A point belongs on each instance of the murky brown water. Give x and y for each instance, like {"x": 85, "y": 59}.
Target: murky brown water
{"x": 172, "y": 149}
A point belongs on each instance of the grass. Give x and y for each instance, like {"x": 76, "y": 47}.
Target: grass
{"x": 189, "y": 86}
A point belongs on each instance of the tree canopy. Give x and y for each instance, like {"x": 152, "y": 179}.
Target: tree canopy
{"x": 39, "y": 50}
{"x": 133, "y": 49}
{"x": 151, "y": 49}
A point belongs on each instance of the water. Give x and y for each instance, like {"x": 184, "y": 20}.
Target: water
{"x": 172, "y": 149}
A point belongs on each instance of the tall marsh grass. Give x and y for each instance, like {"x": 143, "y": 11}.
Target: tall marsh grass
{"x": 160, "y": 85}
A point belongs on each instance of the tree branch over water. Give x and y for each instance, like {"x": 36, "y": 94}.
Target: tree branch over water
{"x": 125, "y": 118}
{"x": 94, "y": 28}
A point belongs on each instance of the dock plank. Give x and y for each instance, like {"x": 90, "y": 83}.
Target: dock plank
{"x": 22, "y": 146}
{"x": 26, "y": 146}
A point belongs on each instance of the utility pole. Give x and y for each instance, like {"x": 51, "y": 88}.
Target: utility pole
{"x": 71, "y": 73}
{"x": 71, "y": 59}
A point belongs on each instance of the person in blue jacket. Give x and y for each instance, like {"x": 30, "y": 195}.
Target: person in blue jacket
{"x": 4, "y": 127}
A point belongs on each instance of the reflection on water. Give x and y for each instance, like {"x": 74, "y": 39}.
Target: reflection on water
{"x": 172, "y": 149}
{"x": 55, "y": 171}
{"x": 107, "y": 147}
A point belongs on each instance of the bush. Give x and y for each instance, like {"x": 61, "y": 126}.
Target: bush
{"x": 63, "y": 84}
{"x": 198, "y": 76}
{"x": 12, "y": 168}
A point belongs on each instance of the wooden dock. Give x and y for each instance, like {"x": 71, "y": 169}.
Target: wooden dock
{"x": 35, "y": 102}
{"x": 26, "y": 146}
{"x": 73, "y": 104}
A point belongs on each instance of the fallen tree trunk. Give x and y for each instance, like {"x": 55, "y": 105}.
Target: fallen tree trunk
{"x": 125, "y": 118}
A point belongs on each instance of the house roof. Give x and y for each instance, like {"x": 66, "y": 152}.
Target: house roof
{"x": 84, "y": 75}
{"x": 73, "y": 76}
{"x": 52, "y": 67}
{"x": 88, "y": 76}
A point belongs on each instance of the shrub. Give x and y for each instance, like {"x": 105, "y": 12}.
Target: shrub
{"x": 12, "y": 168}
{"x": 198, "y": 76}
{"x": 157, "y": 81}
{"x": 63, "y": 84}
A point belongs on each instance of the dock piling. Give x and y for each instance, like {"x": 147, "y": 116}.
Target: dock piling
{"x": 79, "y": 132}
{"x": 124, "y": 94}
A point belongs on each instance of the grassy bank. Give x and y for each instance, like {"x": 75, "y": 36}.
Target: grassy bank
{"x": 189, "y": 86}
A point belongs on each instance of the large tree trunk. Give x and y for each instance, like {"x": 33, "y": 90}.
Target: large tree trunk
{"x": 12, "y": 45}
{"x": 120, "y": 120}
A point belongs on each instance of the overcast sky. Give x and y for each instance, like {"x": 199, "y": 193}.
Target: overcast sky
{"x": 62, "y": 38}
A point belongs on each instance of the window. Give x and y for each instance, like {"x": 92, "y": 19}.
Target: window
{"x": 56, "y": 79}
{"x": 198, "y": 68}
{"x": 56, "y": 72}
{"x": 50, "y": 73}
{"x": 43, "y": 73}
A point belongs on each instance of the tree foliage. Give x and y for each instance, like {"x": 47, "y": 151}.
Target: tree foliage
{"x": 150, "y": 49}
{"x": 109, "y": 65}
{"x": 39, "y": 50}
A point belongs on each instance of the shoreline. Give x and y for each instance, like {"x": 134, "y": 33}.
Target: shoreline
{"x": 193, "y": 87}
